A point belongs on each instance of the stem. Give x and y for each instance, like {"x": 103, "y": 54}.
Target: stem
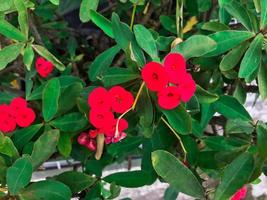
{"x": 179, "y": 18}
{"x": 178, "y": 137}
{"x": 100, "y": 146}
{"x": 133, "y": 16}
{"x": 132, "y": 108}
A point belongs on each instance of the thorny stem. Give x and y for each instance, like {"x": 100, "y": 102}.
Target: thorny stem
{"x": 132, "y": 108}
{"x": 178, "y": 137}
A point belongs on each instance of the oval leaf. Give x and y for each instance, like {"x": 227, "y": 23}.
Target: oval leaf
{"x": 176, "y": 174}
{"x": 86, "y": 6}
{"x": 9, "y": 54}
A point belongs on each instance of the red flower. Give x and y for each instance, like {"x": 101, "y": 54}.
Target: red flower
{"x": 25, "y": 117}
{"x": 110, "y": 130}
{"x": 169, "y": 97}
{"x": 93, "y": 133}
{"x": 240, "y": 194}
{"x": 99, "y": 98}
{"x": 18, "y": 103}
{"x": 83, "y": 138}
{"x": 154, "y": 76}
{"x": 109, "y": 140}
{"x": 187, "y": 87}
{"x": 91, "y": 145}
{"x": 43, "y": 67}
{"x": 7, "y": 119}
{"x": 101, "y": 117}
{"x": 175, "y": 66}
{"x": 121, "y": 100}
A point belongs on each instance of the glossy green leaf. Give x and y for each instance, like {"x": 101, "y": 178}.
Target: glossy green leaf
{"x": 262, "y": 81}
{"x": 227, "y": 40}
{"x": 131, "y": 179}
{"x": 85, "y": 8}
{"x": 22, "y": 17}
{"x": 262, "y": 139}
{"x": 205, "y": 96}
{"x": 230, "y": 108}
{"x": 214, "y": 26}
{"x": 28, "y": 57}
{"x": 238, "y": 11}
{"x": 10, "y": 31}
{"x": 207, "y": 112}
{"x": 19, "y": 175}
{"x": 195, "y": 46}
{"x": 174, "y": 172}
{"x": 76, "y": 181}
{"x": 55, "y": 2}
{"x": 103, "y": 23}
{"x": 117, "y": 75}
{"x": 102, "y": 62}
{"x": 70, "y": 122}
{"x": 263, "y": 14}
{"x": 22, "y": 136}
{"x": 7, "y": 147}
{"x": 65, "y": 144}
{"x": 146, "y": 41}
{"x": 50, "y": 99}
{"x": 48, "y": 189}
{"x": 240, "y": 93}
{"x": 44, "y": 147}
{"x": 232, "y": 58}
{"x": 235, "y": 176}
{"x": 42, "y": 51}
{"x": 179, "y": 119}
{"x": 252, "y": 59}
{"x": 9, "y": 54}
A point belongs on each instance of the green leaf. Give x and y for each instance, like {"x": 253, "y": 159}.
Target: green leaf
{"x": 10, "y": 31}
{"x": 195, "y": 46}
{"x": 22, "y": 136}
{"x": 102, "y": 63}
{"x": 240, "y": 93}
{"x": 50, "y": 99}
{"x": 146, "y": 41}
{"x": 70, "y": 122}
{"x": 176, "y": 174}
{"x": 263, "y": 14}
{"x": 168, "y": 23}
{"x": 205, "y": 96}
{"x": 252, "y": 59}
{"x": 262, "y": 139}
{"x": 126, "y": 145}
{"x": 117, "y": 75}
{"x": 55, "y": 2}
{"x": 19, "y": 175}
{"x": 42, "y": 51}
{"x": 28, "y": 57}
{"x": 179, "y": 119}
{"x": 235, "y": 176}
{"x": 207, "y": 112}
{"x": 103, "y": 23}
{"x": 22, "y": 17}
{"x": 121, "y": 31}
{"x": 170, "y": 194}
{"x": 131, "y": 179}
{"x": 5, "y": 5}
{"x": 65, "y": 144}
{"x": 44, "y": 147}
{"x": 227, "y": 40}
{"x": 232, "y": 58}
{"x": 85, "y": 8}
{"x": 76, "y": 181}
{"x": 230, "y": 108}
{"x": 48, "y": 190}
{"x": 7, "y": 147}
{"x": 239, "y": 12}
{"x": 9, "y": 54}
{"x": 262, "y": 81}
{"x": 214, "y": 26}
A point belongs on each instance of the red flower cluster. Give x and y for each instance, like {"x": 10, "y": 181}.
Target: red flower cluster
{"x": 170, "y": 80}
{"x": 43, "y": 67}
{"x": 240, "y": 194}
{"x": 103, "y": 104}
{"x": 17, "y": 113}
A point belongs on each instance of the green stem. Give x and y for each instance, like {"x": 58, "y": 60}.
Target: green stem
{"x": 133, "y": 16}
{"x": 179, "y": 18}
